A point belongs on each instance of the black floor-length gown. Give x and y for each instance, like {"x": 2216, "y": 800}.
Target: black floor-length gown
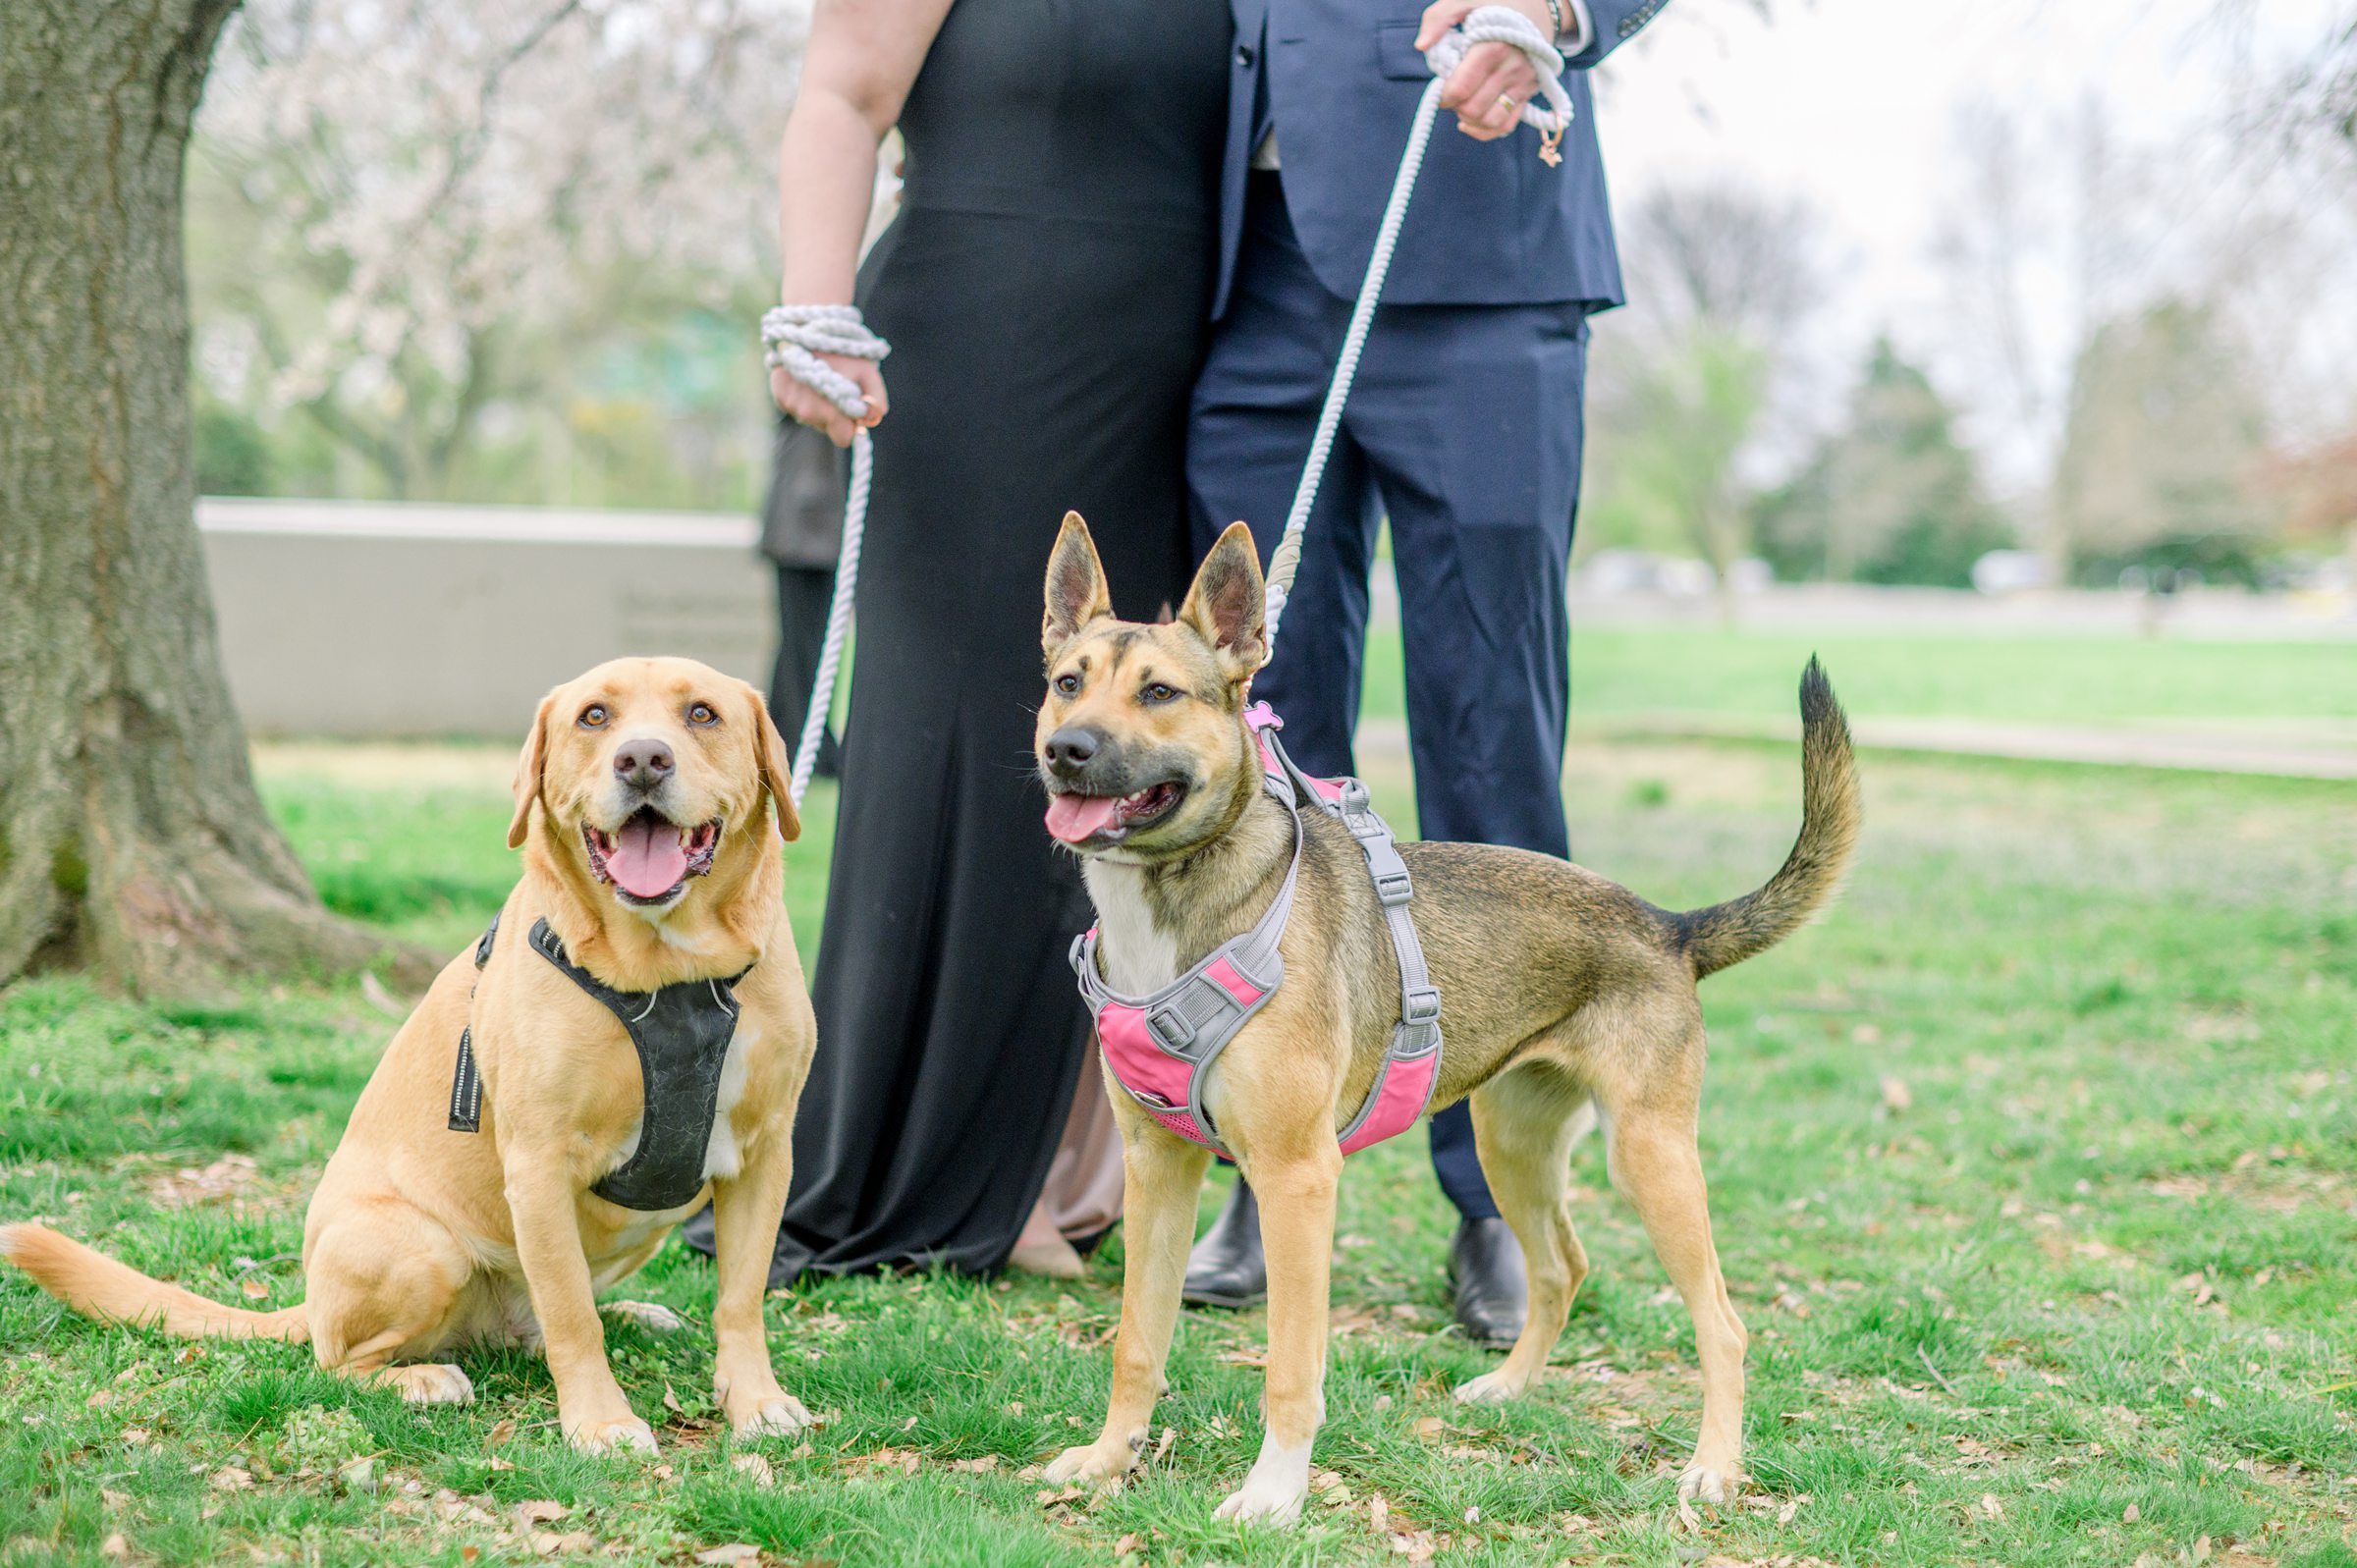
{"x": 1044, "y": 288}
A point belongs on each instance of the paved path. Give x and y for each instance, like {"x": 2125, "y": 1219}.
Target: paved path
{"x": 2319, "y": 750}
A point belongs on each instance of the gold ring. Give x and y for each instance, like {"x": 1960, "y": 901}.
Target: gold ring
{"x": 1506, "y": 101}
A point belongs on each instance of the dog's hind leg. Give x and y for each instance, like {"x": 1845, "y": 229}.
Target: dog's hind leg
{"x": 383, "y": 1281}
{"x": 1526, "y": 1121}
{"x": 1160, "y": 1176}
{"x": 1655, "y": 1165}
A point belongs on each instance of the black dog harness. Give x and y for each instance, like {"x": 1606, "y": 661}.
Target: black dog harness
{"x": 682, "y": 1034}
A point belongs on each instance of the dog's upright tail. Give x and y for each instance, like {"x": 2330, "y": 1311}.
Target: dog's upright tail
{"x": 96, "y": 1286}
{"x": 1726, "y": 934}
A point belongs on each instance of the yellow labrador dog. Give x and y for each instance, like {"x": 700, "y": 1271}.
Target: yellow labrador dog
{"x": 630, "y": 1039}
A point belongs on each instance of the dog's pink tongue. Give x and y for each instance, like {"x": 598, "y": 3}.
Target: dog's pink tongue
{"x": 647, "y": 861}
{"x": 1076, "y": 818}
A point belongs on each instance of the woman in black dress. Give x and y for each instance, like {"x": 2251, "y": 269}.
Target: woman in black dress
{"x": 1044, "y": 288}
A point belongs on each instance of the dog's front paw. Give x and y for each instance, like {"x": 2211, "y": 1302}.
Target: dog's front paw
{"x": 1702, "y": 1481}
{"x": 781, "y": 1417}
{"x": 1091, "y": 1462}
{"x": 1276, "y": 1486}
{"x": 1489, "y": 1388}
{"x": 623, "y": 1435}
{"x": 1275, "y": 1502}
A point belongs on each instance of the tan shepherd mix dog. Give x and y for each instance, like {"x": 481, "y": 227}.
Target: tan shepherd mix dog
{"x": 648, "y": 850}
{"x": 1559, "y": 990}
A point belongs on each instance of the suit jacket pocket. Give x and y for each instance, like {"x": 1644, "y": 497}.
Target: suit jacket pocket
{"x": 1397, "y": 52}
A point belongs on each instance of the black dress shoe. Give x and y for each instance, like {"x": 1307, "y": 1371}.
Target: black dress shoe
{"x": 1227, "y": 1268}
{"x": 1493, "y": 1295}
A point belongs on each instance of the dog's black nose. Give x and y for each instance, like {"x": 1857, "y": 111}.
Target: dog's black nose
{"x": 1070, "y": 748}
{"x": 643, "y": 764}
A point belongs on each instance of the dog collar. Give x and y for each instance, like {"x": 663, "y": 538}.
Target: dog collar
{"x": 1160, "y": 1048}
{"x": 681, "y": 1035}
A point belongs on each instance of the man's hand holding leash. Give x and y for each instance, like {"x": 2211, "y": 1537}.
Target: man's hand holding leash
{"x": 1493, "y": 83}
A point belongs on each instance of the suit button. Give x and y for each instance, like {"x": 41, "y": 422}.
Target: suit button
{"x": 1243, "y": 55}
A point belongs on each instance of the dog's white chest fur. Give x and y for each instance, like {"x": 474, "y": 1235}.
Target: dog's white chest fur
{"x": 1137, "y": 955}
{"x": 722, "y": 1157}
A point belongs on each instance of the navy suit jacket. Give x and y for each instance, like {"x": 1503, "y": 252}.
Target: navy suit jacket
{"x": 1489, "y": 222}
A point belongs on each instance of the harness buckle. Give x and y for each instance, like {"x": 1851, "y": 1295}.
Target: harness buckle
{"x": 1393, "y": 888}
{"x": 1421, "y": 1006}
{"x": 1172, "y": 1029}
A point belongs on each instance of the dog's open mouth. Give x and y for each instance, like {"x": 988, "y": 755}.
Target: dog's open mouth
{"x": 650, "y": 858}
{"x": 1077, "y": 819}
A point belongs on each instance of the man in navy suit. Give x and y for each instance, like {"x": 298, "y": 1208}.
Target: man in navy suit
{"x": 1463, "y": 428}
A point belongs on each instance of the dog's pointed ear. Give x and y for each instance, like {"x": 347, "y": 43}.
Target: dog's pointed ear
{"x": 1077, "y": 591}
{"x": 530, "y": 767}
{"x": 1228, "y": 606}
{"x": 775, "y": 766}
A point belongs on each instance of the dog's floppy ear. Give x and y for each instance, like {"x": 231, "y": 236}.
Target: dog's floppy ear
{"x": 1227, "y": 605}
{"x": 530, "y": 767}
{"x": 1077, "y": 591}
{"x": 775, "y": 764}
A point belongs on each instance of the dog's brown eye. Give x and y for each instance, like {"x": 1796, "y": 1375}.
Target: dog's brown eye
{"x": 593, "y": 717}
{"x": 1067, "y": 684}
{"x": 701, "y": 714}
{"x": 1158, "y": 692}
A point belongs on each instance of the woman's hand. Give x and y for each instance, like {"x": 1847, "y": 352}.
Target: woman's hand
{"x": 806, "y": 407}
{"x": 1495, "y": 80}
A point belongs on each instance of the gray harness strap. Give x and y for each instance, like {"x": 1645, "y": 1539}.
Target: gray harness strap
{"x": 681, "y": 1035}
{"x": 1420, "y": 1028}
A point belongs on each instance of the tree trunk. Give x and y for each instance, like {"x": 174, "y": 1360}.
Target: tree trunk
{"x": 132, "y": 841}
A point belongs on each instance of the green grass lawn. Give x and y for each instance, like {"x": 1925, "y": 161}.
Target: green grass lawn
{"x": 2033, "y": 1169}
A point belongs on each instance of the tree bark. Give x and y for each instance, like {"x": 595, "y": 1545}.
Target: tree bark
{"x": 132, "y": 841}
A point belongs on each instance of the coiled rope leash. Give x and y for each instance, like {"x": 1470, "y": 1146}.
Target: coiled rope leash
{"x": 795, "y": 336}
{"x": 1487, "y": 25}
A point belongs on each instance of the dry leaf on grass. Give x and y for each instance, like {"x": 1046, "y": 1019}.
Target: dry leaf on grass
{"x": 547, "y": 1544}
{"x": 756, "y": 1468}
{"x": 735, "y": 1552}
{"x": 229, "y": 1478}
{"x": 499, "y": 1433}
{"x": 541, "y": 1511}
{"x": 253, "y": 1289}
{"x": 1162, "y": 1445}
{"x": 1897, "y": 1098}
{"x": 114, "y": 1548}
{"x": 373, "y": 990}
{"x": 2130, "y": 1514}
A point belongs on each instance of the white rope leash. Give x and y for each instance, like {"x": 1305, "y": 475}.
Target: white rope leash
{"x": 1489, "y": 24}
{"x": 795, "y": 335}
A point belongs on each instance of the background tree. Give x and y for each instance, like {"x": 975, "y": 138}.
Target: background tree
{"x": 498, "y": 250}
{"x": 132, "y": 841}
{"x": 1891, "y": 496}
{"x": 2160, "y": 450}
{"x": 1679, "y": 396}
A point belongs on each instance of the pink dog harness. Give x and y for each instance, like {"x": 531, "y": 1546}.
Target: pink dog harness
{"x": 1160, "y": 1048}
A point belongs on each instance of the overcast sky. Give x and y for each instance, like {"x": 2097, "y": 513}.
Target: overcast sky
{"x": 1854, "y": 104}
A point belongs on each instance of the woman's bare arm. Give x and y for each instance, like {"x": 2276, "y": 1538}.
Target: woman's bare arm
{"x": 857, "y": 70}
